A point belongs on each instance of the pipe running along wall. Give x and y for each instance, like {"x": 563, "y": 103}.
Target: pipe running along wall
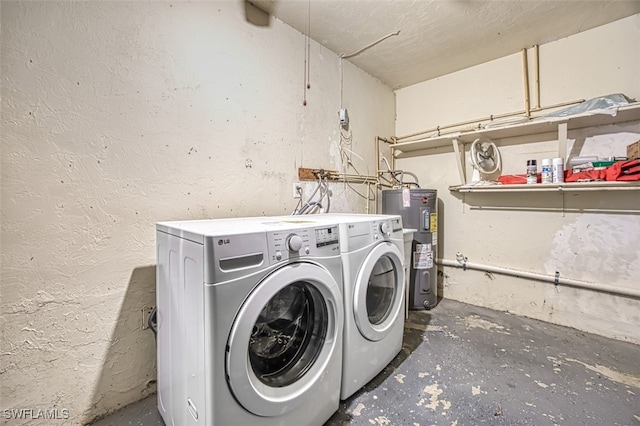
{"x": 477, "y": 121}
{"x": 554, "y": 279}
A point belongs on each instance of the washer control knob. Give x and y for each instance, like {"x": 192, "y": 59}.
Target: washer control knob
{"x": 294, "y": 243}
{"x": 384, "y": 228}
{"x": 278, "y": 255}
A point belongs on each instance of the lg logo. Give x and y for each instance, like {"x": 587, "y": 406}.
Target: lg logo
{"x": 222, "y": 242}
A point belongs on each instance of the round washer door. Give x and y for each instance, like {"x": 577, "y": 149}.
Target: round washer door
{"x": 283, "y": 338}
{"x": 379, "y": 291}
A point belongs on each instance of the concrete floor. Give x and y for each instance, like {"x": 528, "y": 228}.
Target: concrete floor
{"x": 466, "y": 365}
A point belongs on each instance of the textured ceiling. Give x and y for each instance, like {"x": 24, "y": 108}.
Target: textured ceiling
{"x": 438, "y": 37}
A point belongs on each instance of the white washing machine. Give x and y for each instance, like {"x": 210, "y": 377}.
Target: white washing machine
{"x": 372, "y": 248}
{"x": 250, "y": 322}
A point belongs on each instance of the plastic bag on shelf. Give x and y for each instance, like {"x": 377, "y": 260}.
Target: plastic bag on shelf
{"x": 601, "y": 105}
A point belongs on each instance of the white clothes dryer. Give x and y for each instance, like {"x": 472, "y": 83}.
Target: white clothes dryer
{"x": 372, "y": 248}
{"x": 250, "y": 322}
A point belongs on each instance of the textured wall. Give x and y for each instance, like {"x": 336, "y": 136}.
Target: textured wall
{"x": 585, "y": 236}
{"x": 116, "y": 115}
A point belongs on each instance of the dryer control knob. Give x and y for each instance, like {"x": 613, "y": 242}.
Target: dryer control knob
{"x": 384, "y": 228}
{"x": 294, "y": 243}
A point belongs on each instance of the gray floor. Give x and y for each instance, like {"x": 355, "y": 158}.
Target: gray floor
{"x": 465, "y": 365}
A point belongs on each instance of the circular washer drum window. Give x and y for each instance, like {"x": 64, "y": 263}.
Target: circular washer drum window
{"x": 381, "y": 290}
{"x": 288, "y": 334}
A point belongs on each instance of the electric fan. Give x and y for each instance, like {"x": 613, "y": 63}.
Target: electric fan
{"x": 485, "y": 159}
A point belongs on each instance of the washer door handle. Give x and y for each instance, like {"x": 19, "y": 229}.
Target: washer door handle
{"x": 192, "y": 408}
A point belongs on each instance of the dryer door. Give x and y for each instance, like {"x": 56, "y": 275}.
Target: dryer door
{"x": 379, "y": 291}
{"x": 284, "y": 336}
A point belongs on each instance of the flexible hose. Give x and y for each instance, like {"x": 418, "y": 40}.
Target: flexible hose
{"x": 152, "y": 321}
{"x": 308, "y": 203}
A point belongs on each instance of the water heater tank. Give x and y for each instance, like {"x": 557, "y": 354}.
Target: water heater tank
{"x": 419, "y": 210}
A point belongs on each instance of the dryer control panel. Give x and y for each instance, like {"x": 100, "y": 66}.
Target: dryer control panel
{"x": 302, "y": 242}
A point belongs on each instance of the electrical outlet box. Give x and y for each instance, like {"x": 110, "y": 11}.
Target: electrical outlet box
{"x": 297, "y": 190}
{"x": 344, "y": 118}
{"x": 146, "y": 312}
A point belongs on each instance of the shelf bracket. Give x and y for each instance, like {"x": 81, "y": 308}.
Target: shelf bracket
{"x": 458, "y": 148}
{"x": 562, "y": 141}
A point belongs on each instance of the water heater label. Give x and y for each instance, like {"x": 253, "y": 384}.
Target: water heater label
{"x": 423, "y": 257}
{"x": 406, "y": 197}
{"x": 434, "y": 222}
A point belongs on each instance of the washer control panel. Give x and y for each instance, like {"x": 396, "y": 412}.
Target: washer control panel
{"x": 301, "y": 242}
{"x": 326, "y": 236}
{"x": 386, "y": 228}
{"x": 294, "y": 243}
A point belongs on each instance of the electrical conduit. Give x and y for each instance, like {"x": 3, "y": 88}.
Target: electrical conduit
{"x": 461, "y": 262}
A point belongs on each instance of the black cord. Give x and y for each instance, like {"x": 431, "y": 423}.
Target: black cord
{"x": 152, "y": 321}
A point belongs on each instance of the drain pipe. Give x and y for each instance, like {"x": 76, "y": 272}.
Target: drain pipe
{"x": 461, "y": 262}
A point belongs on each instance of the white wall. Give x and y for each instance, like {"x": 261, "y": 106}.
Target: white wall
{"x": 585, "y": 236}
{"x": 116, "y": 115}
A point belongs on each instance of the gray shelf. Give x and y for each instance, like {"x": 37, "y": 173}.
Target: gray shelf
{"x": 550, "y": 187}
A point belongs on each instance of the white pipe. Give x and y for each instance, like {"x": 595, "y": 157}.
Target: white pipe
{"x": 525, "y": 70}
{"x": 369, "y": 46}
{"x": 604, "y": 288}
